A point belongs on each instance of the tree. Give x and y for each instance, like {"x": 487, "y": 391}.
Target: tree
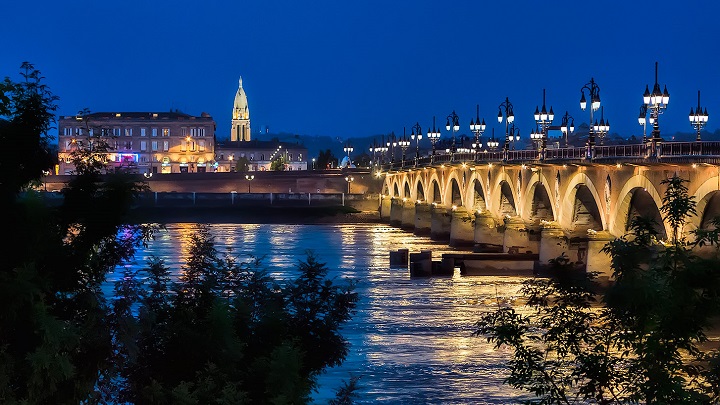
{"x": 278, "y": 164}
{"x": 641, "y": 339}
{"x": 242, "y": 336}
{"x": 326, "y": 160}
{"x": 55, "y": 338}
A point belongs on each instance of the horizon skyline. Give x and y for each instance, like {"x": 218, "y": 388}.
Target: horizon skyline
{"x": 361, "y": 70}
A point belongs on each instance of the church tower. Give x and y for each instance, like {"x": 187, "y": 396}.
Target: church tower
{"x": 240, "y": 117}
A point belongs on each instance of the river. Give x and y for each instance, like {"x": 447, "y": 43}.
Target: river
{"x": 411, "y": 338}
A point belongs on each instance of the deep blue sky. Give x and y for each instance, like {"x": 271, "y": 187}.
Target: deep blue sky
{"x": 354, "y": 69}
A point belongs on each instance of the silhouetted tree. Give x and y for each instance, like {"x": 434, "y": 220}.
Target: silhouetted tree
{"x": 326, "y": 160}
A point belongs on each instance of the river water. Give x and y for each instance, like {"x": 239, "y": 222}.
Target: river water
{"x": 411, "y": 338}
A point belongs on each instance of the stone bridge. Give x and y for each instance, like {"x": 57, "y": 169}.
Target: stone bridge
{"x": 512, "y": 201}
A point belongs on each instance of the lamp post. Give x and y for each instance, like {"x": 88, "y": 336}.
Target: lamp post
{"x": 643, "y": 119}
{"x": 698, "y": 118}
{"x": 492, "y": 143}
{"x": 603, "y": 128}
{"x": 313, "y": 166}
{"x": 477, "y": 128}
{"x": 434, "y": 135}
{"x": 514, "y": 135}
{"x": 349, "y": 180}
{"x": 391, "y": 144}
{"x": 249, "y": 178}
{"x": 594, "y": 93}
{"x": 404, "y": 143}
{"x": 417, "y": 136}
{"x": 543, "y": 118}
{"x": 536, "y": 137}
{"x": 656, "y": 102}
{"x": 452, "y": 124}
{"x": 509, "y": 119}
{"x": 567, "y": 127}
{"x": 348, "y": 150}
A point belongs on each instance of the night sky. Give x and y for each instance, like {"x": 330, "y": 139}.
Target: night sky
{"x": 355, "y": 69}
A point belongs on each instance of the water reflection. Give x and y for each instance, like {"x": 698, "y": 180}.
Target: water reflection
{"x": 411, "y": 339}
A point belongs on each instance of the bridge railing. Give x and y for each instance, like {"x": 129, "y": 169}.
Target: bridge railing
{"x": 707, "y": 151}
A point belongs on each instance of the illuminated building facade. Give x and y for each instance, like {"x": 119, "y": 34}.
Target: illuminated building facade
{"x": 142, "y": 142}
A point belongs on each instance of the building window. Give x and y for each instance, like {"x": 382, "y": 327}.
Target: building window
{"x": 299, "y": 157}
{"x": 192, "y": 146}
{"x": 166, "y": 146}
{"x": 143, "y": 146}
{"x": 128, "y": 131}
{"x": 67, "y": 131}
{"x": 183, "y": 146}
{"x": 252, "y": 156}
{"x": 154, "y": 132}
{"x": 201, "y": 144}
{"x": 142, "y": 132}
{"x": 128, "y": 145}
{"x": 154, "y": 146}
{"x": 262, "y": 156}
{"x": 289, "y": 157}
{"x": 183, "y": 131}
{"x": 90, "y": 132}
{"x": 116, "y": 132}
{"x": 68, "y": 143}
{"x": 166, "y": 132}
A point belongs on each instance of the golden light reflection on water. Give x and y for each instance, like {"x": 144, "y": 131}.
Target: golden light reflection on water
{"x": 411, "y": 338}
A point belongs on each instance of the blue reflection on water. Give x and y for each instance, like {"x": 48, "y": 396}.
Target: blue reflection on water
{"x": 411, "y": 338}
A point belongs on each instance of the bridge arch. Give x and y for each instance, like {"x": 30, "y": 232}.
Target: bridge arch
{"x": 434, "y": 189}
{"x": 453, "y": 194}
{"x": 638, "y": 195}
{"x": 406, "y": 189}
{"x": 580, "y": 207}
{"x": 475, "y": 194}
{"x": 503, "y": 196}
{"x": 707, "y": 197}
{"x": 419, "y": 189}
{"x": 537, "y": 205}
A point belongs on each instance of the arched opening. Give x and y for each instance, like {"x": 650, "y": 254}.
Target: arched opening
{"x": 507, "y": 202}
{"x": 456, "y": 198}
{"x": 642, "y": 204}
{"x": 586, "y": 214}
{"x": 420, "y": 192}
{"x": 712, "y": 210}
{"x": 541, "y": 208}
{"x": 407, "y": 190}
{"x": 396, "y": 192}
{"x": 436, "y": 197}
{"x": 478, "y": 197}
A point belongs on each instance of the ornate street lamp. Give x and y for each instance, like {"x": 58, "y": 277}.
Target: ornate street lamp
{"x": 567, "y": 127}
{"x": 594, "y": 93}
{"x": 404, "y": 143}
{"x": 348, "y": 150}
{"x": 514, "y": 135}
{"x": 349, "y": 180}
{"x": 477, "y": 128}
{"x": 510, "y": 117}
{"x": 543, "y": 118}
{"x": 249, "y": 178}
{"x": 643, "y": 119}
{"x": 536, "y": 137}
{"x": 416, "y": 135}
{"x": 698, "y": 118}
{"x": 433, "y": 135}
{"x": 453, "y": 124}
{"x": 492, "y": 143}
{"x": 603, "y": 128}
{"x": 656, "y": 102}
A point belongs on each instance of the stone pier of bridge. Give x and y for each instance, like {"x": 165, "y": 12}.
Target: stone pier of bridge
{"x": 572, "y": 208}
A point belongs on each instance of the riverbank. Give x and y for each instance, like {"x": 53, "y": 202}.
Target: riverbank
{"x": 253, "y": 215}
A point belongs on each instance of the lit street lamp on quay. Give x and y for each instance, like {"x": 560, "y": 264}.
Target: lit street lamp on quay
{"x": 349, "y": 180}
{"x": 404, "y": 143}
{"x": 567, "y": 127}
{"x": 249, "y": 178}
{"x": 603, "y": 128}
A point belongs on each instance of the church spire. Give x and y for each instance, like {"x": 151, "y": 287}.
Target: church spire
{"x": 240, "y": 116}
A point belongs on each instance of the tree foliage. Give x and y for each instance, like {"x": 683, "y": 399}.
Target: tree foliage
{"x": 326, "y": 160}
{"x": 640, "y": 339}
{"x": 278, "y": 164}
{"x": 242, "y": 337}
{"x": 55, "y": 337}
